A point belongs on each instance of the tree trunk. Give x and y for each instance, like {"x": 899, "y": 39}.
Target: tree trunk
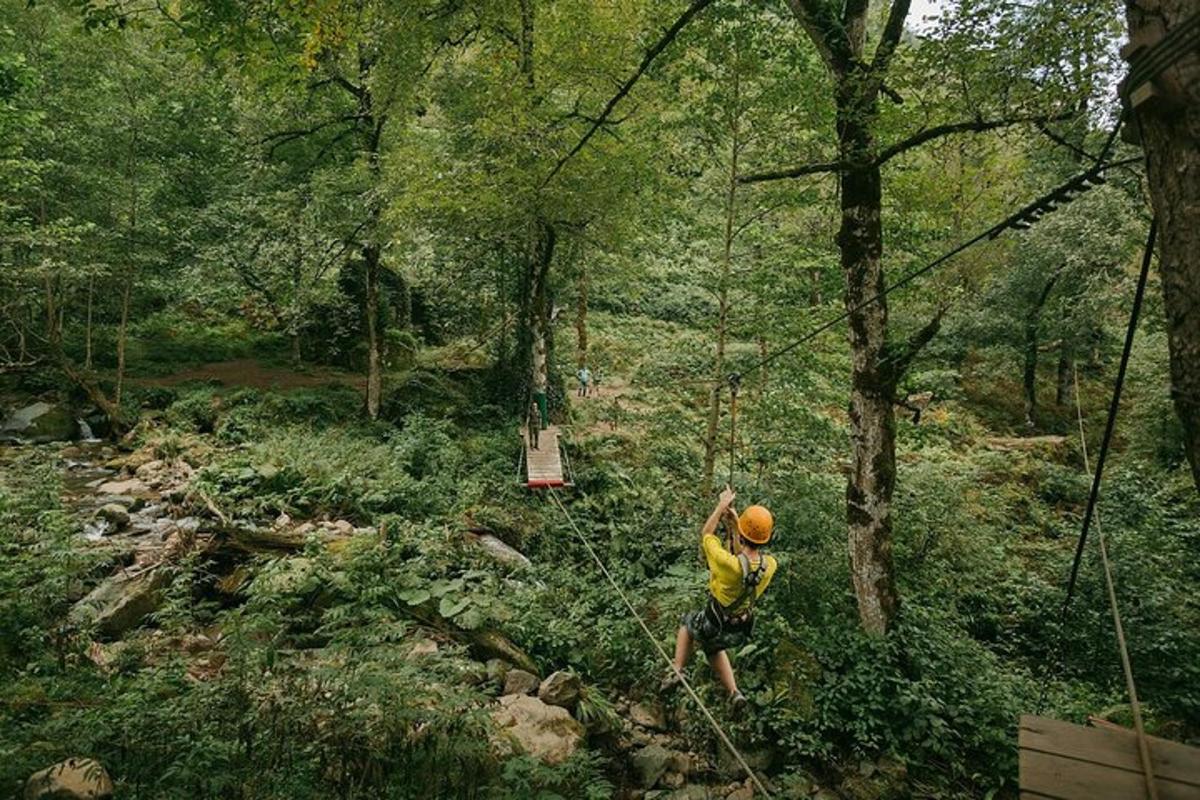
{"x": 1171, "y": 138}
{"x": 1066, "y": 364}
{"x": 121, "y": 338}
{"x": 297, "y": 359}
{"x": 370, "y": 253}
{"x": 87, "y": 333}
{"x": 1029, "y": 378}
{"x": 545, "y": 239}
{"x": 581, "y": 310}
{"x": 1029, "y": 375}
{"x": 370, "y": 132}
{"x": 872, "y": 421}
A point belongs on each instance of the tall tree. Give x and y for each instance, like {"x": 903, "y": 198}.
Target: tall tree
{"x": 1170, "y": 128}
{"x": 859, "y": 78}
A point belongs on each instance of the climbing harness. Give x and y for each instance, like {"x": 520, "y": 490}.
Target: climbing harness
{"x": 712, "y": 721}
{"x": 740, "y": 612}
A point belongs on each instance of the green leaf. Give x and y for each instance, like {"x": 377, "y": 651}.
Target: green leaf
{"x": 449, "y": 607}
{"x": 414, "y": 597}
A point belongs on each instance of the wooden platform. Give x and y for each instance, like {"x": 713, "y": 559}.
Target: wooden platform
{"x": 544, "y": 466}
{"x": 1072, "y": 762}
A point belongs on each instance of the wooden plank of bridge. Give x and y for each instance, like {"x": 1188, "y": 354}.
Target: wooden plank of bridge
{"x": 544, "y": 467}
{"x": 1072, "y": 762}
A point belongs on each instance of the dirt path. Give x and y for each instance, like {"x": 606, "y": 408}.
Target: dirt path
{"x": 250, "y": 373}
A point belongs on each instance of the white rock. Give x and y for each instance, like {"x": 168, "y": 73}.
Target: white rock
{"x": 73, "y": 779}
{"x": 546, "y": 732}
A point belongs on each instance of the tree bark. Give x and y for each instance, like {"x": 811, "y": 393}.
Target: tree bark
{"x": 545, "y": 239}
{"x": 370, "y": 133}
{"x": 840, "y": 38}
{"x": 122, "y": 335}
{"x": 1171, "y": 138}
{"x": 87, "y": 332}
{"x": 370, "y": 254}
{"x": 872, "y": 420}
{"x": 1066, "y": 364}
{"x": 1029, "y": 377}
{"x": 581, "y": 310}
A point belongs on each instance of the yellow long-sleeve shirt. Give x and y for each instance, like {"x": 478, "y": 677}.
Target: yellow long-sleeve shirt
{"x": 725, "y": 572}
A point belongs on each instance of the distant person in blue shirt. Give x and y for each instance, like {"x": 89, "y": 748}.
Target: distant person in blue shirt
{"x": 585, "y": 379}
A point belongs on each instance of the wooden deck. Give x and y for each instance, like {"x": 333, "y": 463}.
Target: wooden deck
{"x": 1072, "y": 762}
{"x": 544, "y": 466}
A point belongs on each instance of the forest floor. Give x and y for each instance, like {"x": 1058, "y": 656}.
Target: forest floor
{"x": 258, "y": 539}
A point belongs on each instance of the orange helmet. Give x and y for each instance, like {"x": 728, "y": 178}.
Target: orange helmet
{"x": 756, "y": 524}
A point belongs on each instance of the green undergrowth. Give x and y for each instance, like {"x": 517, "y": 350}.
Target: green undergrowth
{"x": 319, "y": 673}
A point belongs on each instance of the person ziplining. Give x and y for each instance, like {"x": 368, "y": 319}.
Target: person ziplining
{"x": 738, "y": 576}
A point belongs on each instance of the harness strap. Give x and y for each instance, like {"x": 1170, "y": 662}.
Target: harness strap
{"x": 751, "y": 578}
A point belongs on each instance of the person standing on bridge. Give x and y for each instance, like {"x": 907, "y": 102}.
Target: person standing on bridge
{"x": 738, "y": 575}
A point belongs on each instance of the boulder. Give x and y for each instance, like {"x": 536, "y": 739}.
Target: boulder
{"x": 560, "y": 689}
{"x": 114, "y": 513}
{"x": 131, "y": 486}
{"x": 759, "y": 759}
{"x": 39, "y": 423}
{"x": 121, "y": 602}
{"x": 743, "y": 792}
{"x": 651, "y": 763}
{"x": 499, "y": 550}
{"x": 130, "y": 503}
{"x": 151, "y": 472}
{"x": 545, "y": 732}
{"x": 497, "y": 670}
{"x": 518, "y": 681}
{"x": 421, "y": 649}
{"x": 73, "y": 779}
{"x": 649, "y": 715}
{"x": 672, "y": 780}
{"x": 691, "y": 793}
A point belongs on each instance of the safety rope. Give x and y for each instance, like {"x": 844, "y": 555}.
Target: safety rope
{"x": 712, "y": 721}
{"x": 735, "y": 385}
{"x": 1110, "y": 585}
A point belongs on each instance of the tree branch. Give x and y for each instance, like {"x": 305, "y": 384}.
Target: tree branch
{"x": 820, "y": 22}
{"x": 669, "y": 36}
{"x": 793, "y": 172}
{"x": 897, "y": 358}
{"x": 280, "y": 138}
{"x": 968, "y": 126}
{"x": 893, "y": 29}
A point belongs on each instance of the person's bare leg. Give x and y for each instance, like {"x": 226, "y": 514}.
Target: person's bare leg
{"x": 683, "y": 647}
{"x": 724, "y": 670}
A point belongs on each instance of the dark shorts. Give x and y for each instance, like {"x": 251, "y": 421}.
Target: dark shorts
{"x": 713, "y": 632}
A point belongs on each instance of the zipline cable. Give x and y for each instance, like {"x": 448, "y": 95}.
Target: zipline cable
{"x": 1021, "y": 219}
{"x": 1112, "y": 414}
{"x": 1102, "y": 458}
{"x": 712, "y": 721}
{"x": 1110, "y": 585}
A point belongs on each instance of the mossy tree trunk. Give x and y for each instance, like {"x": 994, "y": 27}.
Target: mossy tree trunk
{"x": 1171, "y": 137}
